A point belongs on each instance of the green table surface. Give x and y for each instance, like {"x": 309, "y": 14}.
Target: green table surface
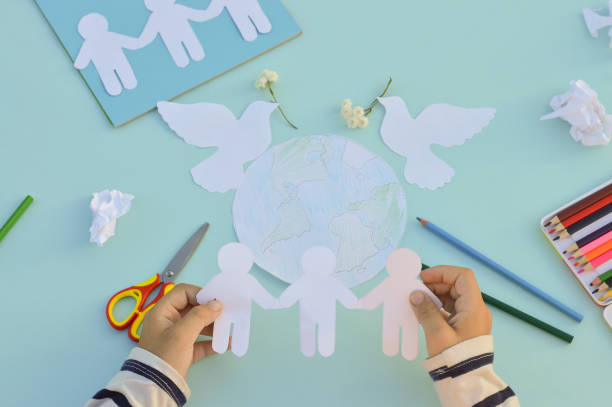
{"x": 58, "y": 349}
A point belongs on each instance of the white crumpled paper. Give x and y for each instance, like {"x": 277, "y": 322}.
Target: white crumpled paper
{"x": 106, "y": 207}
{"x": 581, "y": 108}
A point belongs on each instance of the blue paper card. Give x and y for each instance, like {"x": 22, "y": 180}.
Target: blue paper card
{"x": 241, "y": 30}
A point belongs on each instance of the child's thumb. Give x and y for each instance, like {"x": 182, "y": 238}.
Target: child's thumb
{"x": 428, "y": 314}
{"x": 199, "y": 317}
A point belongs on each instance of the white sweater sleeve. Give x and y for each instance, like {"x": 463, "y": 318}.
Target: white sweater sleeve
{"x": 463, "y": 376}
{"x": 145, "y": 380}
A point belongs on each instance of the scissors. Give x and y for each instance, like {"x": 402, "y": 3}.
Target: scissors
{"x": 141, "y": 292}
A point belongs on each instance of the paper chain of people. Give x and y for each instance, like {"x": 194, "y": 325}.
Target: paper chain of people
{"x": 317, "y": 291}
{"x": 171, "y": 22}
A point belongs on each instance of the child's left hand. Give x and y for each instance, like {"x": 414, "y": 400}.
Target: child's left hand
{"x": 170, "y": 330}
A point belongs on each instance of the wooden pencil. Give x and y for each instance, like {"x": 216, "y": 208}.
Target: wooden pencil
{"x": 606, "y": 285}
{"x": 564, "y": 224}
{"x": 604, "y": 258}
{"x": 523, "y": 316}
{"x": 602, "y": 277}
{"x": 591, "y": 246}
{"x": 589, "y": 238}
{"x": 580, "y": 205}
{"x": 606, "y": 296}
{"x": 584, "y": 222}
{"x": 595, "y": 253}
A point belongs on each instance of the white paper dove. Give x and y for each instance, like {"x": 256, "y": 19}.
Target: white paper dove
{"x": 239, "y": 141}
{"x": 440, "y": 124}
{"x": 106, "y": 207}
{"x": 235, "y": 288}
{"x": 581, "y": 108}
{"x": 595, "y": 22}
{"x": 317, "y": 291}
{"x": 399, "y": 321}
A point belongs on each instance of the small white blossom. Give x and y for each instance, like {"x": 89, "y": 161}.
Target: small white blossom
{"x": 355, "y": 117}
{"x": 353, "y": 122}
{"x": 363, "y": 122}
{"x": 358, "y": 111}
{"x": 267, "y": 77}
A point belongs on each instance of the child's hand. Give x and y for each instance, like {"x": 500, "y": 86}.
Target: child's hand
{"x": 170, "y": 330}
{"x": 460, "y": 295}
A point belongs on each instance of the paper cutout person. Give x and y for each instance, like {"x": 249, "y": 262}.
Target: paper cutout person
{"x": 104, "y": 49}
{"x": 317, "y": 291}
{"x": 440, "y": 124}
{"x": 595, "y": 22}
{"x": 248, "y": 16}
{"x": 171, "y": 22}
{"x": 235, "y": 288}
{"x": 403, "y": 266}
{"x": 212, "y": 125}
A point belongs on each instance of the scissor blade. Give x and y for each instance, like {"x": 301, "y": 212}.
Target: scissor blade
{"x": 184, "y": 254}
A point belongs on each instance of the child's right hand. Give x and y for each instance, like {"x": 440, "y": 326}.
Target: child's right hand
{"x": 460, "y": 295}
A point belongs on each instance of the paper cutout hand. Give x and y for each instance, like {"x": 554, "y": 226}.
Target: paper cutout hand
{"x": 248, "y": 16}
{"x": 440, "y": 124}
{"x": 317, "y": 291}
{"x": 212, "y": 125}
{"x": 104, "y": 49}
{"x": 403, "y": 266}
{"x": 235, "y": 289}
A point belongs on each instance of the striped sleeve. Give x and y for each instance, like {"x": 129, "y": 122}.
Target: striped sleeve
{"x": 463, "y": 376}
{"x": 144, "y": 380}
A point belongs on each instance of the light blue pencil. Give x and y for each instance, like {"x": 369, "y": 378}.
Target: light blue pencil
{"x": 500, "y": 269}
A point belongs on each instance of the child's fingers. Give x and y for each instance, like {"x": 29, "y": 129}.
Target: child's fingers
{"x": 208, "y": 330}
{"x": 198, "y": 318}
{"x": 180, "y": 297}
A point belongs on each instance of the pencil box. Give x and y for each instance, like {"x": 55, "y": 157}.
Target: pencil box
{"x": 581, "y": 234}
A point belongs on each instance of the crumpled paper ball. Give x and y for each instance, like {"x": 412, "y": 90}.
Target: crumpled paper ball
{"x": 106, "y": 207}
{"x": 581, "y": 108}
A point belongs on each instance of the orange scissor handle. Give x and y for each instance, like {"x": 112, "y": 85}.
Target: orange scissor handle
{"x": 139, "y": 292}
{"x": 133, "y": 332}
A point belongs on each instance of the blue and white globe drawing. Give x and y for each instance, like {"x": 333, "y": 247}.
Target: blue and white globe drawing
{"x": 320, "y": 191}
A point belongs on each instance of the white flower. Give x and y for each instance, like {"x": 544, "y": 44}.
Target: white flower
{"x": 353, "y": 122}
{"x": 358, "y": 111}
{"x": 267, "y": 77}
{"x": 363, "y": 122}
{"x": 355, "y": 117}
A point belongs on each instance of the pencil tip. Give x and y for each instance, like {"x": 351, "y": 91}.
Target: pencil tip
{"x": 594, "y": 292}
{"x": 556, "y": 238}
{"x": 571, "y": 258}
{"x": 552, "y": 231}
{"x": 580, "y": 271}
{"x": 418, "y": 219}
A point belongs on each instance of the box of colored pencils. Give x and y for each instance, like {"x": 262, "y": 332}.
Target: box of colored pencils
{"x": 581, "y": 233}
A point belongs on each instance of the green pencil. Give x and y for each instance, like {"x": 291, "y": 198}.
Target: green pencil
{"x": 603, "y": 277}
{"x": 494, "y": 302}
{"x": 15, "y": 216}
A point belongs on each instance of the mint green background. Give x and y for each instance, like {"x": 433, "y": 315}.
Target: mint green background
{"x": 58, "y": 349}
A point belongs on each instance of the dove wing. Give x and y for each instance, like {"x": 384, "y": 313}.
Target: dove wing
{"x": 199, "y": 124}
{"x": 449, "y": 126}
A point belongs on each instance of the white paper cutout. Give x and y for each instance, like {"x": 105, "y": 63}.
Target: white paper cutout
{"x": 581, "y": 108}
{"x": 171, "y": 22}
{"x": 248, "y": 16}
{"x": 212, "y": 125}
{"x": 235, "y": 288}
{"x": 104, "y": 49}
{"x": 317, "y": 291}
{"x": 403, "y": 267}
{"x": 595, "y": 22}
{"x": 106, "y": 207}
{"x": 440, "y": 124}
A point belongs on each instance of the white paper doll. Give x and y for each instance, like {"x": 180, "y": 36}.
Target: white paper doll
{"x": 171, "y": 22}
{"x": 403, "y": 267}
{"x": 317, "y": 291}
{"x": 248, "y": 16}
{"x": 104, "y": 49}
{"x": 235, "y": 288}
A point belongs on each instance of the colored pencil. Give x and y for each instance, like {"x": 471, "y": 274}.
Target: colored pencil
{"x": 604, "y": 258}
{"x": 582, "y": 214}
{"x": 584, "y": 222}
{"x": 590, "y": 238}
{"x": 523, "y": 316}
{"x": 605, "y": 297}
{"x": 580, "y": 205}
{"x": 502, "y": 270}
{"x": 595, "y": 253}
{"x": 8, "y": 225}
{"x": 602, "y": 277}
{"x": 591, "y": 246}
{"x": 606, "y": 285}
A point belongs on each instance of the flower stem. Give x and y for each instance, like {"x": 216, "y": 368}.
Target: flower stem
{"x": 279, "y": 107}
{"x": 375, "y": 102}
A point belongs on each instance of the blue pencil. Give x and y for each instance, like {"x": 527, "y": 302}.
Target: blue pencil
{"x": 500, "y": 269}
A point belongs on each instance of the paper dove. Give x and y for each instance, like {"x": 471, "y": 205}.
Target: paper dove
{"x": 440, "y": 124}
{"x": 106, "y": 207}
{"x": 595, "y": 22}
{"x": 581, "y": 108}
{"x": 212, "y": 125}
